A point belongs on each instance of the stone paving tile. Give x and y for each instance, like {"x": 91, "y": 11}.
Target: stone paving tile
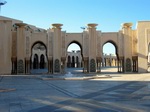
{"x": 85, "y": 107}
{"x": 15, "y": 107}
{"x": 35, "y": 95}
{"x": 4, "y": 107}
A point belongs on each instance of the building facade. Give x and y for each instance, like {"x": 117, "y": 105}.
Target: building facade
{"x": 18, "y": 41}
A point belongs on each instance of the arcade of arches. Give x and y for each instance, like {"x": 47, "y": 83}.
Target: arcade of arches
{"x": 38, "y": 57}
{"x": 74, "y": 60}
{"x": 24, "y": 47}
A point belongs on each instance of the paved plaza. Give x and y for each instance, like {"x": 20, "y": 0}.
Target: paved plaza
{"x": 116, "y": 93}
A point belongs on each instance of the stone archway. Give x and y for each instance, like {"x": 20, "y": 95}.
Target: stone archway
{"x": 35, "y": 62}
{"x": 111, "y": 62}
{"x": 69, "y": 62}
{"x": 39, "y": 61}
{"x": 74, "y": 58}
{"x": 42, "y": 62}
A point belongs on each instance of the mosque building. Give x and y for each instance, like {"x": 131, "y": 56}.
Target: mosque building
{"x": 24, "y": 47}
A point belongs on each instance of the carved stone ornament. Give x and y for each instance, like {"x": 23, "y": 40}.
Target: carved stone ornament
{"x": 56, "y": 66}
{"x": 20, "y": 67}
{"x": 92, "y": 65}
{"x": 128, "y": 65}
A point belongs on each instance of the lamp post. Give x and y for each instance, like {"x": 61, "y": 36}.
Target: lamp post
{"x": 2, "y": 3}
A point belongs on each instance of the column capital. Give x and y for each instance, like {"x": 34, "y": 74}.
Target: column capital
{"x": 92, "y": 25}
{"x": 127, "y": 25}
{"x": 98, "y": 58}
{"x": 121, "y": 57}
{"x": 50, "y": 58}
{"x": 57, "y": 25}
{"x": 63, "y": 58}
{"x": 20, "y": 24}
{"x": 85, "y": 58}
{"x": 27, "y": 58}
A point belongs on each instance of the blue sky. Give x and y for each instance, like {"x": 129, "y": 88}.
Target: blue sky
{"x": 109, "y": 14}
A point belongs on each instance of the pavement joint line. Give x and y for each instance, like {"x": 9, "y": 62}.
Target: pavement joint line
{"x": 84, "y": 97}
{"x": 101, "y": 92}
{"x": 62, "y": 90}
{"x": 7, "y": 90}
{"x": 110, "y": 103}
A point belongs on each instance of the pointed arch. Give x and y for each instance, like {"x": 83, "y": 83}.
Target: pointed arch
{"x": 78, "y": 43}
{"x": 108, "y": 59}
{"x": 73, "y": 61}
{"x": 69, "y": 62}
{"x": 35, "y": 61}
{"x": 42, "y": 62}
{"x": 115, "y": 45}
{"x": 77, "y": 61}
{"x": 40, "y": 49}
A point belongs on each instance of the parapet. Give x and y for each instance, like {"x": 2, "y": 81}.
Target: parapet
{"x": 20, "y": 24}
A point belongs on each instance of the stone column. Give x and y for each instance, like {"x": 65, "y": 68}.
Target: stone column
{"x": 14, "y": 63}
{"x": 103, "y": 61}
{"x": 118, "y": 66}
{"x": 63, "y": 59}
{"x": 107, "y": 62}
{"x": 135, "y": 62}
{"x": 85, "y": 68}
{"x": 57, "y": 48}
{"x": 92, "y": 46}
{"x": 50, "y": 64}
{"x": 99, "y": 60}
{"x": 27, "y": 65}
{"x": 21, "y": 48}
{"x": 121, "y": 64}
{"x": 127, "y": 32}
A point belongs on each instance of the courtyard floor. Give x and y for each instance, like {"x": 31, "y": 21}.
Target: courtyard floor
{"x": 116, "y": 93}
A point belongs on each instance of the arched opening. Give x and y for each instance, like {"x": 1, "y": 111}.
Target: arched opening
{"x": 39, "y": 61}
{"x": 77, "y": 62}
{"x": 110, "y": 58}
{"x": 42, "y": 62}
{"x": 69, "y": 62}
{"x": 35, "y": 61}
{"x": 74, "y": 60}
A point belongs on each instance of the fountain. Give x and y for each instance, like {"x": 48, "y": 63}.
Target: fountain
{"x": 68, "y": 74}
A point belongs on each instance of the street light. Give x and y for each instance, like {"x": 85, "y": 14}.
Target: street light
{"x": 2, "y": 3}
